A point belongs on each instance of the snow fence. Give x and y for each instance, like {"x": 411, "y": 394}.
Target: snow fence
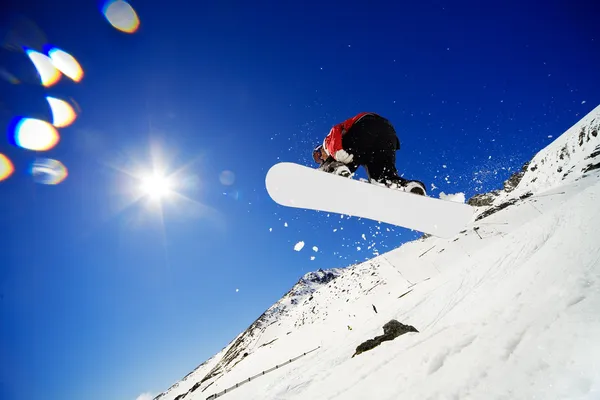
{"x": 237, "y": 385}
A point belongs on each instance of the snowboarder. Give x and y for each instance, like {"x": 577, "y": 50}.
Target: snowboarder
{"x": 368, "y": 140}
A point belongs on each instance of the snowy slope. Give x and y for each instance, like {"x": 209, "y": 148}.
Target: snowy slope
{"x": 507, "y": 309}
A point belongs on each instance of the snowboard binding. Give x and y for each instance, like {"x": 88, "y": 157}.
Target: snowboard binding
{"x": 415, "y": 187}
{"x": 409, "y": 186}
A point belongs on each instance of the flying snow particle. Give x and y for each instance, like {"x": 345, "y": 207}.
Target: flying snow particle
{"x": 312, "y": 258}
{"x": 444, "y": 166}
{"x": 237, "y": 290}
{"x": 299, "y": 246}
{"x": 315, "y": 248}
{"x": 285, "y": 224}
{"x": 358, "y": 248}
{"x": 364, "y": 237}
{"x": 583, "y": 102}
{"x": 549, "y": 136}
{"x": 270, "y": 229}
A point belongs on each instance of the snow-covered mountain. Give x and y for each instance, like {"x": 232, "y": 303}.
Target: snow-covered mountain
{"x": 568, "y": 158}
{"x": 507, "y": 309}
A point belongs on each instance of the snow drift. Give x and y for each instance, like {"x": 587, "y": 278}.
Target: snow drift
{"x": 506, "y": 309}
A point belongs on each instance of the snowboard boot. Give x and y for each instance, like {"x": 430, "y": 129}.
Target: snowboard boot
{"x": 342, "y": 170}
{"x": 410, "y": 186}
{"x": 336, "y": 168}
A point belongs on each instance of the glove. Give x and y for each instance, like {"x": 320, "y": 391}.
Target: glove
{"x": 343, "y": 156}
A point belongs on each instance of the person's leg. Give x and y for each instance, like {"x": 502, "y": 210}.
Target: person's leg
{"x": 382, "y": 167}
{"x": 357, "y": 143}
{"x": 378, "y": 145}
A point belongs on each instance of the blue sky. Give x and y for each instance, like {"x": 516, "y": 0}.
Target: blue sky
{"x": 103, "y": 297}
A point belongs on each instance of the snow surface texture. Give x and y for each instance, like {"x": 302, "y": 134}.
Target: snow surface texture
{"x": 508, "y": 309}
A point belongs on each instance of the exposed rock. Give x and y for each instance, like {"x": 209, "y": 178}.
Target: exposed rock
{"x": 511, "y": 183}
{"x": 591, "y": 167}
{"x": 391, "y": 331}
{"x": 581, "y": 135}
{"x": 196, "y": 386}
{"x": 487, "y": 199}
{"x": 396, "y": 328}
{"x": 321, "y": 276}
{"x": 594, "y": 154}
{"x": 502, "y": 206}
{"x": 368, "y": 345}
{"x": 483, "y": 199}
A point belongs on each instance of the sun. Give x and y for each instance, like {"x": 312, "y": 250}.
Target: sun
{"x": 156, "y": 186}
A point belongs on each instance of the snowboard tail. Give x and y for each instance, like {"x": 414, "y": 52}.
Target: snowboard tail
{"x": 298, "y": 186}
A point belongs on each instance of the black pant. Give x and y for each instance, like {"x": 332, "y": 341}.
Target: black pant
{"x": 373, "y": 142}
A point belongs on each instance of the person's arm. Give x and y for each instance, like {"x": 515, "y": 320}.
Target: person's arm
{"x": 333, "y": 141}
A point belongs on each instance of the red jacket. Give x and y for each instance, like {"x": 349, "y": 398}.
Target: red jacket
{"x": 333, "y": 141}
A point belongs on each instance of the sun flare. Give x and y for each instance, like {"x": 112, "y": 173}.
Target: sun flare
{"x": 156, "y": 186}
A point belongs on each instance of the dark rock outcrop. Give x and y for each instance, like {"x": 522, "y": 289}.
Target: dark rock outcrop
{"x": 511, "y": 183}
{"x": 483, "y": 199}
{"x": 487, "y": 199}
{"x": 391, "y": 331}
{"x": 502, "y": 206}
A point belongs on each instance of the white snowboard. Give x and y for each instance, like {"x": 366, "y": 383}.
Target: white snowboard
{"x": 297, "y": 186}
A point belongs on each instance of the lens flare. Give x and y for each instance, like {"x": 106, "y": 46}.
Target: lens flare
{"x": 10, "y": 78}
{"x": 49, "y": 75}
{"x": 121, "y": 16}
{"x": 48, "y": 171}
{"x": 6, "y": 167}
{"x": 35, "y": 134}
{"x": 66, "y": 63}
{"x": 62, "y": 113}
{"x": 227, "y": 178}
